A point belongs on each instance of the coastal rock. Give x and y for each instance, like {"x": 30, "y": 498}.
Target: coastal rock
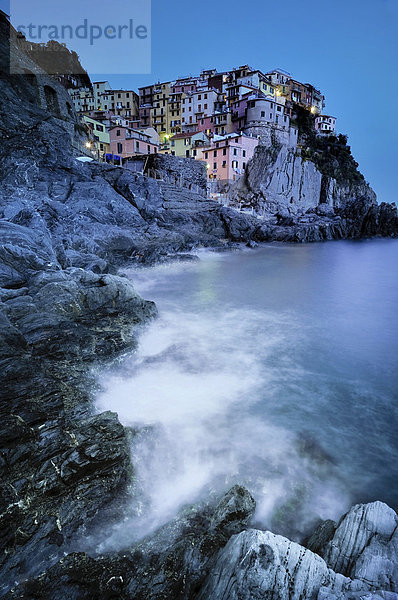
{"x": 171, "y": 564}
{"x": 309, "y": 203}
{"x": 257, "y": 564}
{"x": 365, "y": 546}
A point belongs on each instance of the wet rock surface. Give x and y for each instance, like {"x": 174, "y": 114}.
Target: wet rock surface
{"x": 207, "y": 552}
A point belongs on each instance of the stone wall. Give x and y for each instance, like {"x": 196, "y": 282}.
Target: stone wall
{"x": 269, "y": 134}
{"x": 177, "y": 168}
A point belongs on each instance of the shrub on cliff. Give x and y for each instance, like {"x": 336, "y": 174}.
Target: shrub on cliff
{"x": 331, "y": 154}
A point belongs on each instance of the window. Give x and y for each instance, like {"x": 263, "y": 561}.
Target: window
{"x": 99, "y": 127}
{"x": 244, "y": 166}
{"x": 224, "y": 164}
{"x": 224, "y": 151}
{"x": 206, "y": 155}
{"x": 187, "y": 153}
{"x": 215, "y": 153}
{"x": 215, "y": 166}
{"x": 243, "y": 153}
{"x": 263, "y": 113}
{"x": 200, "y": 107}
{"x": 205, "y": 96}
{"x": 199, "y": 97}
{"x": 120, "y": 148}
{"x": 118, "y": 132}
{"x": 205, "y": 106}
{"x": 235, "y": 152}
{"x": 234, "y": 164}
{"x": 137, "y": 145}
{"x": 194, "y": 152}
{"x": 149, "y": 149}
{"x": 278, "y": 108}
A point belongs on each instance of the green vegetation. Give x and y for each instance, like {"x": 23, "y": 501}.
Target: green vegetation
{"x": 331, "y": 154}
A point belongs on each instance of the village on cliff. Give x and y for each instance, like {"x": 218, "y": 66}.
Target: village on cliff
{"x": 215, "y": 117}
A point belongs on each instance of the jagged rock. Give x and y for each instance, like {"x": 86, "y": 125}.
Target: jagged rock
{"x": 326, "y": 594}
{"x": 172, "y": 564}
{"x": 365, "y": 546}
{"x": 258, "y": 564}
{"x": 279, "y": 182}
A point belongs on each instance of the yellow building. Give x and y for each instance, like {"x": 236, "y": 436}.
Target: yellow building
{"x": 165, "y": 115}
{"x": 187, "y": 144}
{"x": 100, "y": 137}
{"x": 123, "y": 103}
{"x": 267, "y": 88}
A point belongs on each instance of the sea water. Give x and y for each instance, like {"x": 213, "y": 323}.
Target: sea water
{"x": 275, "y": 368}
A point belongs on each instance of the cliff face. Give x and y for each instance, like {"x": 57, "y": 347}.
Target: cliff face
{"x": 299, "y": 201}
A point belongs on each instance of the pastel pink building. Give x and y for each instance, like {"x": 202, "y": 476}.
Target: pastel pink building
{"x": 125, "y": 142}
{"x": 227, "y": 157}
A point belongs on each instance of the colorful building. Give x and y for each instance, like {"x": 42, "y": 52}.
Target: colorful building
{"x": 267, "y": 111}
{"x": 188, "y": 144}
{"x": 83, "y": 100}
{"x": 228, "y": 156}
{"x": 99, "y": 87}
{"x": 120, "y": 102}
{"x": 325, "y": 124}
{"x": 100, "y": 135}
{"x": 198, "y": 105}
{"x": 126, "y": 142}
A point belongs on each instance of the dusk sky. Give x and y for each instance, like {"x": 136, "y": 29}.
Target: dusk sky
{"x": 347, "y": 48}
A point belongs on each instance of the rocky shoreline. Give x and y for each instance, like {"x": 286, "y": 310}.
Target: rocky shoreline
{"x": 66, "y": 228}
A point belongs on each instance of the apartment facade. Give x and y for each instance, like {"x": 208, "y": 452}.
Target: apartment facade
{"x": 100, "y": 135}
{"x": 188, "y": 144}
{"x": 325, "y": 124}
{"x": 227, "y": 157}
{"x": 126, "y": 142}
{"x": 121, "y": 102}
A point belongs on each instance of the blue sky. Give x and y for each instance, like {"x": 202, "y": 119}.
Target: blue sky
{"x": 348, "y": 48}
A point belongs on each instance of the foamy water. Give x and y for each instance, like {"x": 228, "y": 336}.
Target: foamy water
{"x": 248, "y": 376}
